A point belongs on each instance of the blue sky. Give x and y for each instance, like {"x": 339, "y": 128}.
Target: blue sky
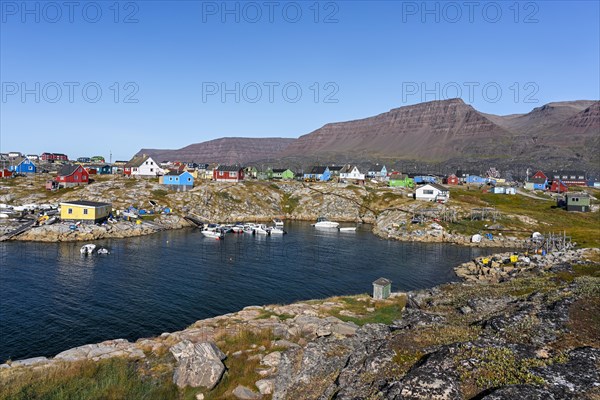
{"x": 176, "y": 73}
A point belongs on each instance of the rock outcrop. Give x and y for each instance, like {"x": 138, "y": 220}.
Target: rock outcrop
{"x": 198, "y": 364}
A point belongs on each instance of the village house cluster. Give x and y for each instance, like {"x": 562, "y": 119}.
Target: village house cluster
{"x": 182, "y": 176}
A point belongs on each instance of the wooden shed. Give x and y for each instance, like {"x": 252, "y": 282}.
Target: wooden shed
{"x": 382, "y": 288}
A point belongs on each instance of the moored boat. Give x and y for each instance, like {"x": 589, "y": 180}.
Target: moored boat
{"x": 278, "y": 222}
{"x": 348, "y": 229}
{"x": 87, "y": 249}
{"x": 276, "y": 230}
{"x": 213, "y": 231}
{"x": 323, "y": 222}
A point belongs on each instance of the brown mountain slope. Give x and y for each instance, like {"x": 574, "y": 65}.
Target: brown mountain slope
{"x": 224, "y": 150}
{"x": 433, "y": 131}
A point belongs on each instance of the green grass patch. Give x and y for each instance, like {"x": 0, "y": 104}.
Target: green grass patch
{"x": 289, "y": 203}
{"x": 109, "y": 379}
{"x": 160, "y": 193}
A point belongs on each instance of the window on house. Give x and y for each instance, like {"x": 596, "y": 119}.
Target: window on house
{"x": 85, "y": 211}
{"x": 233, "y": 174}
{"x": 189, "y": 179}
{"x": 220, "y": 173}
{"x": 76, "y": 177}
{"x": 572, "y": 176}
{"x": 151, "y": 169}
{"x": 427, "y": 191}
{"x": 70, "y": 211}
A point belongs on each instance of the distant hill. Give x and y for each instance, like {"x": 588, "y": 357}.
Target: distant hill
{"x": 226, "y": 150}
{"x": 448, "y": 134}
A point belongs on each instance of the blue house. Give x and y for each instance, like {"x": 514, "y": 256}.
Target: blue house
{"x": 317, "y": 173}
{"x": 476, "y": 179}
{"x": 420, "y": 179}
{"x": 24, "y": 166}
{"x": 105, "y": 170}
{"x": 377, "y": 171}
{"x": 178, "y": 181}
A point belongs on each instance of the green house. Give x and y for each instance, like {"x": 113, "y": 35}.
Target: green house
{"x": 285, "y": 174}
{"x": 577, "y": 201}
{"x": 401, "y": 180}
{"x": 251, "y": 172}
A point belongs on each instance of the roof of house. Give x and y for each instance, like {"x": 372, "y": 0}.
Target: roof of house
{"x": 137, "y": 161}
{"x": 86, "y": 203}
{"x": 437, "y": 186}
{"x": 230, "y": 168}
{"x": 382, "y": 282}
{"x": 399, "y": 177}
{"x": 569, "y": 173}
{"x": 346, "y": 168}
{"x": 336, "y": 167}
{"x": 280, "y": 170}
{"x": 68, "y": 169}
{"x": 176, "y": 173}
{"x": 376, "y": 167}
{"x": 318, "y": 170}
{"x": 578, "y": 194}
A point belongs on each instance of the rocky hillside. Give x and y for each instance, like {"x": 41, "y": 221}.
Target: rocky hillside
{"x": 556, "y": 135}
{"x": 226, "y": 150}
{"x": 532, "y": 333}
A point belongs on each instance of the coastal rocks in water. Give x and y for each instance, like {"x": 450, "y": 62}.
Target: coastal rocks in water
{"x": 198, "y": 364}
{"x": 99, "y": 351}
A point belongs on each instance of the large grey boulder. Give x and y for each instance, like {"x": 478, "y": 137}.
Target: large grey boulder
{"x": 244, "y": 393}
{"x": 198, "y": 364}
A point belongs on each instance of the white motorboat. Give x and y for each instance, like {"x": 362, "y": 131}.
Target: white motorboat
{"x": 238, "y": 229}
{"x": 348, "y": 229}
{"x": 103, "y": 250}
{"x": 278, "y": 222}
{"x": 249, "y": 228}
{"x": 276, "y": 230}
{"x": 213, "y": 231}
{"x": 261, "y": 230}
{"x": 323, "y": 222}
{"x": 87, "y": 249}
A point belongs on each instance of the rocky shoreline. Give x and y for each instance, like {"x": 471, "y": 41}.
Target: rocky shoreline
{"x": 527, "y": 332}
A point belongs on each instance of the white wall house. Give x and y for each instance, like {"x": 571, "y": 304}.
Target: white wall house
{"x": 351, "y": 172}
{"x": 432, "y": 192}
{"x": 146, "y": 167}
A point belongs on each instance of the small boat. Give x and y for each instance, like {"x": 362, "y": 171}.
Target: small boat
{"x": 249, "y": 228}
{"x": 103, "y": 250}
{"x": 278, "y": 222}
{"x": 87, "y": 249}
{"x": 238, "y": 228}
{"x": 213, "y": 231}
{"x": 323, "y": 222}
{"x": 261, "y": 230}
{"x": 348, "y": 229}
{"x": 51, "y": 220}
{"x": 276, "y": 230}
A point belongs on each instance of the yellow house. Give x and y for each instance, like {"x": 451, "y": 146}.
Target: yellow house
{"x": 86, "y": 211}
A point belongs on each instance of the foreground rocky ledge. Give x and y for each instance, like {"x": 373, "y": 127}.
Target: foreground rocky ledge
{"x": 532, "y": 333}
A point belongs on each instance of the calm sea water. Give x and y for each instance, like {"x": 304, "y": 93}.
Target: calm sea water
{"x": 52, "y": 298}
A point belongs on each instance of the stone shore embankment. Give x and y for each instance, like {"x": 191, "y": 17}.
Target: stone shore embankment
{"x": 520, "y": 328}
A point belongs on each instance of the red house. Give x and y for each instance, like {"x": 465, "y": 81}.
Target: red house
{"x": 51, "y": 157}
{"x": 5, "y": 174}
{"x": 72, "y": 175}
{"x": 451, "y": 180}
{"x": 539, "y": 175}
{"x": 228, "y": 173}
{"x": 558, "y": 186}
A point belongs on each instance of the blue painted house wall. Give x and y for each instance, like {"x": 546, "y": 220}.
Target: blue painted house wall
{"x": 105, "y": 170}
{"x": 540, "y": 186}
{"x": 183, "y": 179}
{"x": 424, "y": 179}
{"x": 325, "y": 176}
{"x": 475, "y": 179}
{"x": 24, "y": 167}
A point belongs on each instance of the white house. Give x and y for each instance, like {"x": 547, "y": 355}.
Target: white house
{"x": 351, "y": 172}
{"x": 143, "y": 166}
{"x": 433, "y": 192}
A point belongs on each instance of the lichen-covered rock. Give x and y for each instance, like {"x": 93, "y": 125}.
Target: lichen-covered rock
{"x": 198, "y": 364}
